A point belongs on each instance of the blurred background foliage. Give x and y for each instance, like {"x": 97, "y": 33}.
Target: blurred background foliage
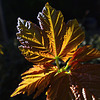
{"x": 12, "y": 63}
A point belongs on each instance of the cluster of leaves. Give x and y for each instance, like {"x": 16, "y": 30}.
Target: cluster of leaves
{"x": 55, "y": 41}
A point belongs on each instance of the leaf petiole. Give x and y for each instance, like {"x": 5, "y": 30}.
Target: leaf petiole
{"x": 67, "y": 68}
{"x": 57, "y": 62}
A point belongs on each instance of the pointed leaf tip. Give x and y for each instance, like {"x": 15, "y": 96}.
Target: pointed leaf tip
{"x": 34, "y": 79}
{"x": 42, "y": 45}
{"x": 19, "y": 19}
{"x": 47, "y": 3}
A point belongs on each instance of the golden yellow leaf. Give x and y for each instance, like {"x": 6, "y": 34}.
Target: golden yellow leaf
{"x": 54, "y": 39}
{"x": 72, "y": 39}
{"x": 36, "y": 79}
{"x": 36, "y": 69}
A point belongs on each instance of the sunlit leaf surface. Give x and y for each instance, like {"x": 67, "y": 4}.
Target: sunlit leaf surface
{"x": 52, "y": 39}
{"x": 85, "y": 53}
{"x": 56, "y": 40}
{"x": 35, "y": 80}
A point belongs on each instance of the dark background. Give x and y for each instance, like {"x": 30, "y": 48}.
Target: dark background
{"x": 12, "y": 63}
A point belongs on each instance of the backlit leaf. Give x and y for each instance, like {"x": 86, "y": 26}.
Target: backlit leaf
{"x": 73, "y": 37}
{"x": 88, "y": 77}
{"x": 77, "y": 92}
{"x": 35, "y": 81}
{"x": 81, "y": 93}
{"x": 36, "y": 69}
{"x": 56, "y": 40}
{"x": 85, "y": 53}
{"x": 33, "y": 47}
{"x": 59, "y": 88}
{"x": 53, "y": 39}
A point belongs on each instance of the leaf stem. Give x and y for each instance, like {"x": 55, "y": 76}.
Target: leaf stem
{"x": 57, "y": 62}
{"x": 66, "y": 67}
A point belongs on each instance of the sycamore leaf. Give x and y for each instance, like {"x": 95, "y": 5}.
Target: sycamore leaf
{"x": 56, "y": 40}
{"x": 36, "y": 69}
{"x": 77, "y": 92}
{"x": 81, "y": 84}
{"x": 93, "y": 69}
{"x": 81, "y": 93}
{"x": 33, "y": 43}
{"x": 53, "y": 39}
{"x": 72, "y": 39}
{"x": 88, "y": 77}
{"x": 35, "y": 81}
{"x": 85, "y": 53}
{"x": 59, "y": 88}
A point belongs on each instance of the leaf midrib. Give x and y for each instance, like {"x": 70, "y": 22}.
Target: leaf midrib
{"x": 52, "y": 30}
{"x": 38, "y": 42}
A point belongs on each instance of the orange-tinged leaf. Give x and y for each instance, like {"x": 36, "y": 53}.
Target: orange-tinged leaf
{"x": 81, "y": 93}
{"x": 77, "y": 92}
{"x": 36, "y": 69}
{"x": 59, "y": 88}
{"x": 89, "y": 83}
{"x": 52, "y": 22}
{"x": 56, "y": 40}
{"x": 93, "y": 69}
{"x": 35, "y": 81}
{"x": 85, "y": 53}
{"x": 73, "y": 37}
{"x": 53, "y": 39}
{"x": 88, "y": 77}
{"x": 33, "y": 47}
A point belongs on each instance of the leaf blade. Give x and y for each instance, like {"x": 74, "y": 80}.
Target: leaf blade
{"x": 36, "y": 78}
{"x": 59, "y": 88}
{"x": 85, "y": 53}
{"x": 33, "y": 39}
{"x": 88, "y": 77}
{"x": 53, "y": 39}
{"x": 73, "y": 37}
{"x": 51, "y": 21}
